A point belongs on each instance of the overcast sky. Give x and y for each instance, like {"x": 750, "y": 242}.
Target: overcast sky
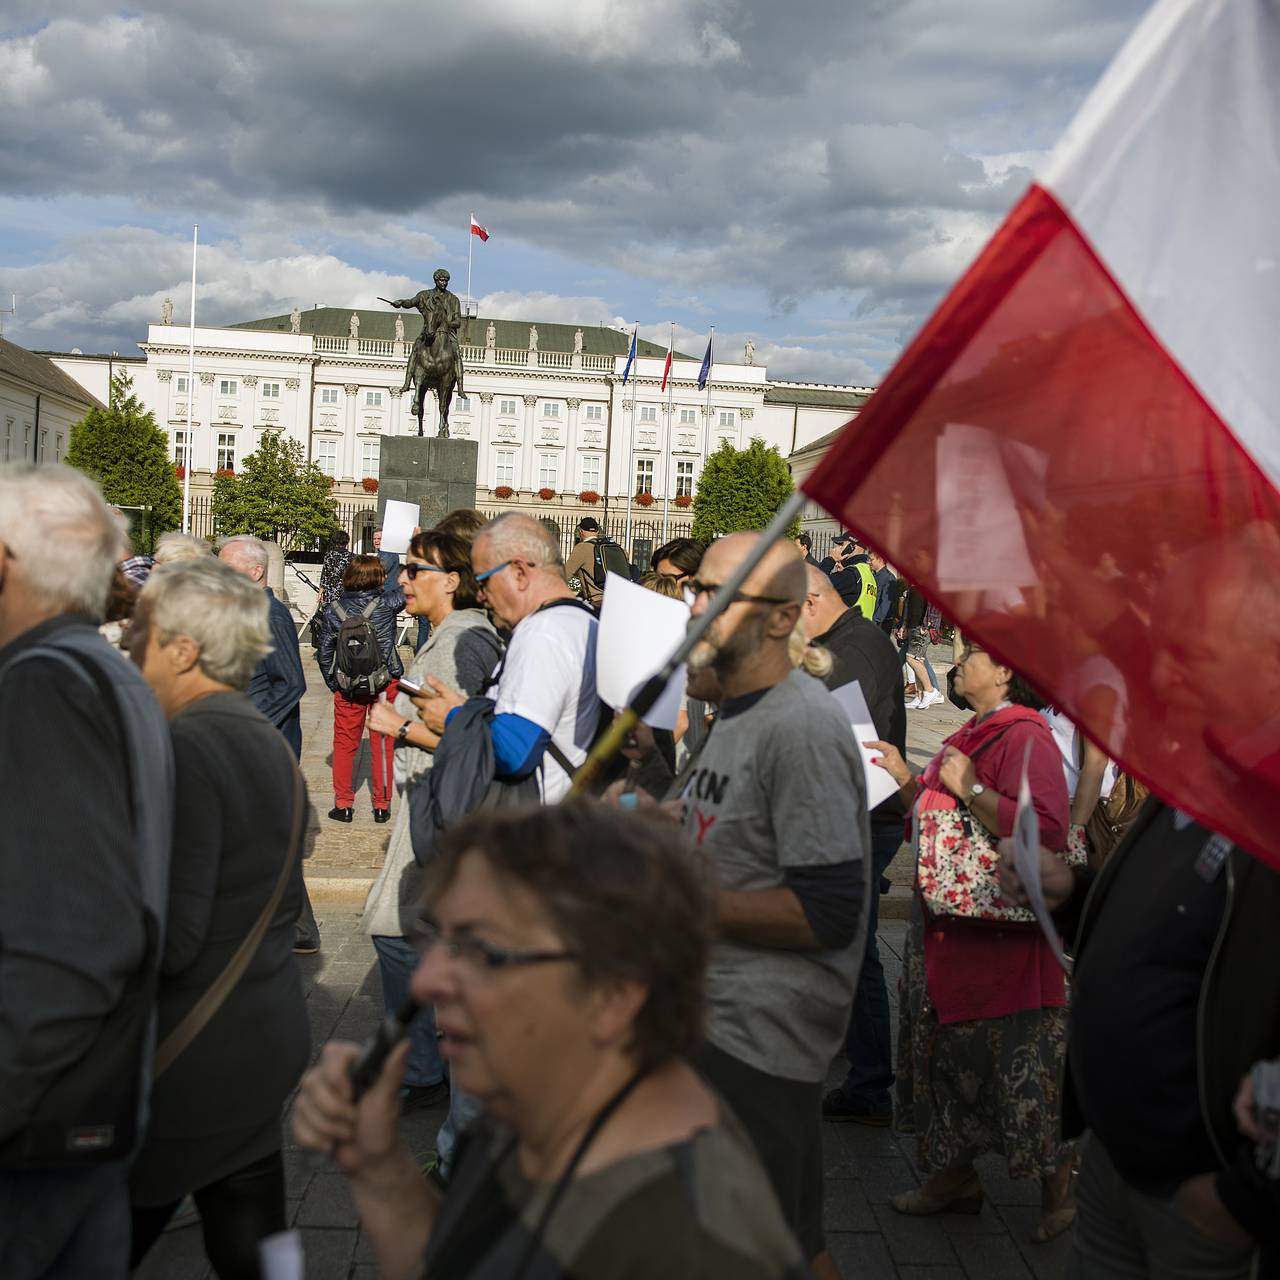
{"x": 812, "y": 174}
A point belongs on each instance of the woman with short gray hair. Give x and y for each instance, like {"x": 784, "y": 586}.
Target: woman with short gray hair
{"x": 199, "y": 631}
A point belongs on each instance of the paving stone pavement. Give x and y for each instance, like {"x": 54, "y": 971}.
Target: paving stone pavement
{"x": 864, "y": 1167}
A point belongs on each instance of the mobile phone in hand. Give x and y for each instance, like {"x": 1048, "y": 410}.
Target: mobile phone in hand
{"x": 414, "y": 689}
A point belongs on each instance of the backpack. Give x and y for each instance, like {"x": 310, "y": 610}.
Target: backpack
{"x": 610, "y": 558}
{"x": 358, "y": 666}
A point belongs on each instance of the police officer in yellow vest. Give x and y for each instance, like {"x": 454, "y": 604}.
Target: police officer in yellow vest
{"x": 851, "y": 574}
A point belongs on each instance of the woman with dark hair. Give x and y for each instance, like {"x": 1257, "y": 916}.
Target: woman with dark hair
{"x": 564, "y": 950}
{"x": 982, "y": 1036}
{"x": 361, "y": 598}
{"x": 333, "y": 567}
{"x": 678, "y": 559}
{"x": 463, "y": 650}
{"x": 462, "y": 522}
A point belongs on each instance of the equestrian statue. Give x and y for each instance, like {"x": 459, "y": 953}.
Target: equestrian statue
{"x": 435, "y": 362}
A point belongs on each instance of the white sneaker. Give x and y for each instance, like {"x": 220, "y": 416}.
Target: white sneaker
{"x": 933, "y": 699}
{"x": 915, "y": 704}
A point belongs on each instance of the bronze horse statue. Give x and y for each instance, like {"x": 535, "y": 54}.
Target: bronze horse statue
{"x": 431, "y": 367}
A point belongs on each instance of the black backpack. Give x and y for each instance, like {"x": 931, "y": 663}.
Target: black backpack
{"x": 610, "y": 558}
{"x": 358, "y": 666}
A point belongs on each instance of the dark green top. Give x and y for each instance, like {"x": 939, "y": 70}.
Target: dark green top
{"x": 699, "y": 1210}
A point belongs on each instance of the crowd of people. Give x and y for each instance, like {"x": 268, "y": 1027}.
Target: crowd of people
{"x": 632, "y": 1002}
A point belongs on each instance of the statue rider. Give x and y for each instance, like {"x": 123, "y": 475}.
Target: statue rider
{"x": 440, "y": 309}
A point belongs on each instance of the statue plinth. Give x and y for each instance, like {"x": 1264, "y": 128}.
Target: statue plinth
{"x": 437, "y": 474}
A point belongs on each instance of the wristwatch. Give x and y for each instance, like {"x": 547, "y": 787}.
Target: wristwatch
{"x": 974, "y": 792}
{"x": 402, "y": 733}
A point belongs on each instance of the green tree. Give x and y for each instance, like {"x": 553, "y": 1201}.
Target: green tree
{"x": 275, "y": 495}
{"x": 740, "y": 489}
{"x": 124, "y": 450}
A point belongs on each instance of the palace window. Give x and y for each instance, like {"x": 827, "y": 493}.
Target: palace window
{"x": 373, "y": 399}
{"x": 226, "y": 451}
{"x": 8, "y": 438}
{"x": 644, "y": 475}
{"x": 181, "y": 449}
{"x": 551, "y": 409}
{"x": 57, "y": 447}
{"x": 327, "y": 456}
{"x": 507, "y": 407}
{"x": 548, "y": 470}
{"x": 228, "y": 387}
{"x": 462, "y": 404}
{"x": 648, "y": 413}
{"x": 369, "y": 454}
{"x": 44, "y": 445}
{"x": 688, "y": 417}
{"x": 269, "y": 390}
{"x": 595, "y": 413}
{"x": 728, "y": 418}
{"x": 504, "y": 467}
{"x": 684, "y": 479}
{"x": 328, "y": 395}
{"x": 591, "y": 472}
{"x": 180, "y": 385}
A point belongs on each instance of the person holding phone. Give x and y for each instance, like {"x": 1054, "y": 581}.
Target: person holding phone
{"x": 462, "y": 650}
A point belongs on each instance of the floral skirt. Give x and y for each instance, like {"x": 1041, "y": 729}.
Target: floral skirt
{"x": 969, "y": 1088}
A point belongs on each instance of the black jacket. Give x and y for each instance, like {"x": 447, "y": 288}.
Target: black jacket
{"x": 384, "y": 626}
{"x": 1239, "y": 1018}
{"x": 277, "y": 684}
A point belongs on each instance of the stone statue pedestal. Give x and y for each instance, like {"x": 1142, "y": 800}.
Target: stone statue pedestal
{"x": 439, "y": 475}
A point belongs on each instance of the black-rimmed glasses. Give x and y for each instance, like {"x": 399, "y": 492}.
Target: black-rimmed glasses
{"x": 739, "y": 597}
{"x": 412, "y": 569}
{"x": 477, "y": 954}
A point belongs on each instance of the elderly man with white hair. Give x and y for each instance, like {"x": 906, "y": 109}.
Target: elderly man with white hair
{"x": 545, "y": 703}
{"x": 86, "y": 788}
{"x": 277, "y": 685}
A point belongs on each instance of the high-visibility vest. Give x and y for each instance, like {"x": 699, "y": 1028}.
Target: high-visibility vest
{"x": 866, "y": 601}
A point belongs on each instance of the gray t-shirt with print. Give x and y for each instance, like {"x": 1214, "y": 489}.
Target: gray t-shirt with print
{"x": 779, "y": 785}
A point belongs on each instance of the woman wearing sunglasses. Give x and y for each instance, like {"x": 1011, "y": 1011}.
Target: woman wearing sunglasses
{"x": 462, "y": 650}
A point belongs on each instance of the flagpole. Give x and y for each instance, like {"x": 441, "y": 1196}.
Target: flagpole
{"x": 706, "y": 417}
{"x": 666, "y": 460}
{"x": 471, "y": 235}
{"x": 629, "y": 479}
{"x": 189, "y": 453}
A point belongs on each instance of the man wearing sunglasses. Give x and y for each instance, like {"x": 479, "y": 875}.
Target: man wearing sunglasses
{"x": 546, "y": 711}
{"x": 778, "y": 801}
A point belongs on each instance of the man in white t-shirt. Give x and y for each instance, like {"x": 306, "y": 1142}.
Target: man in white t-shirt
{"x": 546, "y": 709}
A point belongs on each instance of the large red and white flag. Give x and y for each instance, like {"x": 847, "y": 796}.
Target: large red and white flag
{"x": 1078, "y": 457}
{"x": 477, "y": 229}
{"x": 666, "y": 368}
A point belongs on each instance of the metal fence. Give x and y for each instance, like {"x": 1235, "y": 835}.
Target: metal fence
{"x": 359, "y": 519}
{"x": 646, "y": 534}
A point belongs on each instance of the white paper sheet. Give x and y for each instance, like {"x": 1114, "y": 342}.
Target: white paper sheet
{"x": 281, "y": 1257}
{"x": 398, "y": 523}
{"x": 639, "y": 631}
{"x": 1026, "y": 860}
{"x": 880, "y": 783}
{"x": 981, "y": 543}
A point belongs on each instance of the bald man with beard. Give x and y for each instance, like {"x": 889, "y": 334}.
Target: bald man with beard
{"x": 777, "y": 801}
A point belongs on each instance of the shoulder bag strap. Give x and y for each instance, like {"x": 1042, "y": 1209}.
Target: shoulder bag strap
{"x": 369, "y": 609}
{"x": 198, "y": 1016}
{"x": 340, "y": 611}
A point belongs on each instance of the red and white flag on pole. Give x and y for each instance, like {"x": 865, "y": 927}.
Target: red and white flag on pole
{"x": 1078, "y": 458}
{"x": 666, "y": 368}
{"x": 477, "y": 229}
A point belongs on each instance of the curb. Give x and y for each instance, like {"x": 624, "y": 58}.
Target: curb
{"x": 346, "y": 890}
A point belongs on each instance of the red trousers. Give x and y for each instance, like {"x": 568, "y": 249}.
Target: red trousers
{"x": 348, "y": 729}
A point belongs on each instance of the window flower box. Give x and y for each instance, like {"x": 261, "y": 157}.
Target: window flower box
{"x": 589, "y": 496}
{"x": 683, "y": 500}
{"x": 504, "y": 491}
{"x": 369, "y": 484}
{"x": 546, "y": 494}
{"x": 644, "y": 499}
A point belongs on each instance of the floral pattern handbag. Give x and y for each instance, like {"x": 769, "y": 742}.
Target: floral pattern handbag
{"x": 956, "y": 867}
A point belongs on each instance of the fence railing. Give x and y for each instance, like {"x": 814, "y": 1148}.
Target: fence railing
{"x": 646, "y": 534}
{"x": 358, "y": 519}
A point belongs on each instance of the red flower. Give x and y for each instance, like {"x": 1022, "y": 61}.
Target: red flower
{"x": 503, "y": 491}
{"x": 369, "y": 484}
{"x": 546, "y": 494}
{"x": 589, "y": 496}
{"x": 644, "y": 499}
{"x": 683, "y": 500}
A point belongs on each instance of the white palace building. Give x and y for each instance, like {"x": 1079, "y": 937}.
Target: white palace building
{"x": 545, "y": 403}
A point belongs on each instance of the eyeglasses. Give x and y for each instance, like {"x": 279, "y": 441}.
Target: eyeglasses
{"x": 475, "y": 954}
{"x": 484, "y": 577}
{"x": 412, "y": 569}
{"x": 697, "y": 589}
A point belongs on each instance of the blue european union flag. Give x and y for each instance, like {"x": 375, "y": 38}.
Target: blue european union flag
{"x": 705, "y": 372}
{"x": 631, "y": 359}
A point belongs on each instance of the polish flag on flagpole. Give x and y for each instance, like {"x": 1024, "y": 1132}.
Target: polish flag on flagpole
{"x": 477, "y": 229}
{"x": 666, "y": 368}
{"x": 1078, "y": 457}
